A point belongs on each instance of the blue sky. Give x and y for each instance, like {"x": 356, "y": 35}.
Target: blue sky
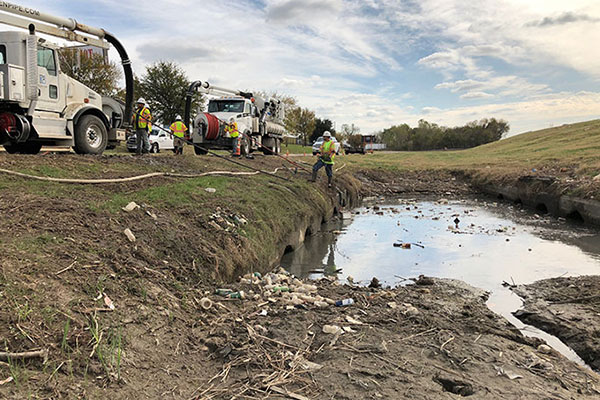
{"x": 376, "y": 63}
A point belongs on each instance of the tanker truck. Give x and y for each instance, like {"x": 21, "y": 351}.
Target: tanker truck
{"x": 42, "y": 106}
{"x": 259, "y": 120}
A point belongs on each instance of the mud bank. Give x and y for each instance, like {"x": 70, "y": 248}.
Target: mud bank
{"x": 568, "y": 308}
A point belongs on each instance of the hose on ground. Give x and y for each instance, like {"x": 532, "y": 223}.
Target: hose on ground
{"x": 132, "y": 178}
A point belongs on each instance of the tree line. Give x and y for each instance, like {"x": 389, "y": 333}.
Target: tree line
{"x": 430, "y": 136}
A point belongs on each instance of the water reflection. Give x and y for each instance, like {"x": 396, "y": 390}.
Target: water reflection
{"x": 493, "y": 243}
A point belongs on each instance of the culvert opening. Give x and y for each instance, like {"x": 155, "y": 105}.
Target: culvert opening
{"x": 500, "y": 196}
{"x": 541, "y": 208}
{"x": 575, "y": 216}
{"x": 288, "y": 249}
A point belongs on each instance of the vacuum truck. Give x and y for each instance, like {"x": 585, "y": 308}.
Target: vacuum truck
{"x": 42, "y": 106}
{"x": 259, "y": 120}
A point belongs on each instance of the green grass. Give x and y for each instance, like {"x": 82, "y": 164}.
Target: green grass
{"x": 296, "y": 149}
{"x": 568, "y": 145}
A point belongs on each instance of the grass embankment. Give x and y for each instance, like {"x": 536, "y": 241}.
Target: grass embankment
{"x": 63, "y": 248}
{"x": 570, "y": 153}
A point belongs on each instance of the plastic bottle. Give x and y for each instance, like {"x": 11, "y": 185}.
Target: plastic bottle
{"x": 237, "y": 295}
{"x": 281, "y": 289}
{"x": 223, "y": 292}
{"x": 345, "y": 302}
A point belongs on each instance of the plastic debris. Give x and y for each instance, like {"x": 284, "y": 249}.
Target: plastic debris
{"x": 108, "y": 302}
{"x": 332, "y": 329}
{"x": 223, "y": 292}
{"x": 130, "y": 207}
{"x": 206, "y": 303}
{"x": 130, "y": 235}
{"x": 210, "y": 190}
{"x": 353, "y": 320}
{"x": 347, "y": 329}
{"x": 344, "y": 303}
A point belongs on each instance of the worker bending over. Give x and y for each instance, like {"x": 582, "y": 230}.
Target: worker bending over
{"x": 178, "y": 130}
{"x": 234, "y": 134}
{"x": 142, "y": 121}
{"x": 326, "y": 156}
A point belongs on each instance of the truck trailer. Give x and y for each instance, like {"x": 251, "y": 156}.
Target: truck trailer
{"x": 259, "y": 120}
{"x": 42, "y": 106}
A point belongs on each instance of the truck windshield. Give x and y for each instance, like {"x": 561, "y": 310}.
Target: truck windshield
{"x": 234, "y": 106}
{"x": 2, "y": 54}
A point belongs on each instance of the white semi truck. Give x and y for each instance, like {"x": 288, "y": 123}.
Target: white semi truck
{"x": 259, "y": 120}
{"x": 40, "y": 105}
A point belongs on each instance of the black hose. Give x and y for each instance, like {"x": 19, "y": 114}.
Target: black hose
{"x": 188, "y": 102}
{"x": 128, "y": 72}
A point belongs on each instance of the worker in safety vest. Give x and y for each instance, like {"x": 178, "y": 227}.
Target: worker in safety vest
{"x": 234, "y": 134}
{"x": 142, "y": 122}
{"x": 178, "y": 130}
{"x": 326, "y": 157}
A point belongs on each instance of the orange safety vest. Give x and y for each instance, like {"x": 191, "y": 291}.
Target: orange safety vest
{"x": 143, "y": 119}
{"x": 178, "y": 128}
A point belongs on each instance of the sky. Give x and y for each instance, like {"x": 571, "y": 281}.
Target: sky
{"x": 375, "y": 63}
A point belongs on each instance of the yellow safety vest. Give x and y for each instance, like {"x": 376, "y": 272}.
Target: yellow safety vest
{"x": 326, "y": 147}
{"x": 143, "y": 119}
{"x": 232, "y": 129}
{"x": 178, "y": 128}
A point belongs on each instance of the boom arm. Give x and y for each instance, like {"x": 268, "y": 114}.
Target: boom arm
{"x": 65, "y": 28}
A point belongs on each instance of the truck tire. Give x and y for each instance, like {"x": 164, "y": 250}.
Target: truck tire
{"x": 245, "y": 146}
{"x": 199, "y": 151}
{"x": 23, "y": 148}
{"x": 154, "y": 148}
{"x": 91, "y": 136}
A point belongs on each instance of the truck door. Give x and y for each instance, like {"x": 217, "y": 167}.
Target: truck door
{"x": 48, "y": 85}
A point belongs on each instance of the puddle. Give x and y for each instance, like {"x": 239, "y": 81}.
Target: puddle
{"x": 491, "y": 244}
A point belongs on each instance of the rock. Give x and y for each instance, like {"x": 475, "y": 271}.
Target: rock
{"x": 210, "y": 190}
{"x": 130, "y": 235}
{"x": 332, "y": 329}
{"x": 544, "y": 349}
{"x": 130, "y": 207}
{"x": 443, "y": 201}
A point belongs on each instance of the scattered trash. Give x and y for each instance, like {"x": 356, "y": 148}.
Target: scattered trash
{"x": 346, "y": 215}
{"x": 263, "y": 313}
{"x": 7, "y": 380}
{"x": 332, "y": 329}
{"x": 347, "y": 329}
{"x": 344, "y": 303}
{"x": 393, "y": 305}
{"x": 129, "y": 234}
{"x": 108, "y": 302}
{"x": 350, "y": 279}
{"x": 130, "y": 207}
{"x": 510, "y": 375}
{"x": 223, "y": 292}
{"x": 353, "y": 320}
{"x": 210, "y": 190}
{"x": 237, "y": 295}
{"x": 206, "y": 303}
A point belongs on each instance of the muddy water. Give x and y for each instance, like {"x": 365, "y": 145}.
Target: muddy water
{"x": 481, "y": 243}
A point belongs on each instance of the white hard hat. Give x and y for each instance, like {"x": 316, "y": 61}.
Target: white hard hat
{"x": 231, "y": 119}
{"x": 326, "y": 134}
{"x": 141, "y": 100}
{"x": 178, "y": 118}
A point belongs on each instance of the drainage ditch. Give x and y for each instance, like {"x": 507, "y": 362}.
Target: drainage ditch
{"x": 486, "y": 244}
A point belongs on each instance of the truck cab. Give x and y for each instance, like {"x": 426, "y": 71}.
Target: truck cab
{"x": 40, "y": 105}
{"x": 240, "y": 109}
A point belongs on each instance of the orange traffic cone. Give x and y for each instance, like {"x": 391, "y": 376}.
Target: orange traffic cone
{"x": 237, "y": 144}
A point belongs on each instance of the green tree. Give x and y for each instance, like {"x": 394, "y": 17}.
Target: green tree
{"x": 92, "y": 70}
{"x": 300, "y": 121}
{"x": 321, "y": 125}
{"x": 164, "y": 86}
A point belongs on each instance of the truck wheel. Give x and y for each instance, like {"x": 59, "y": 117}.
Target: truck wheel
{"x": 199, "y": 151}
{"x": 245, "y": 150}
{"x": 91, "y": 136}
{"x": 154, "y": 148}
{"x": 277, "y": 146}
